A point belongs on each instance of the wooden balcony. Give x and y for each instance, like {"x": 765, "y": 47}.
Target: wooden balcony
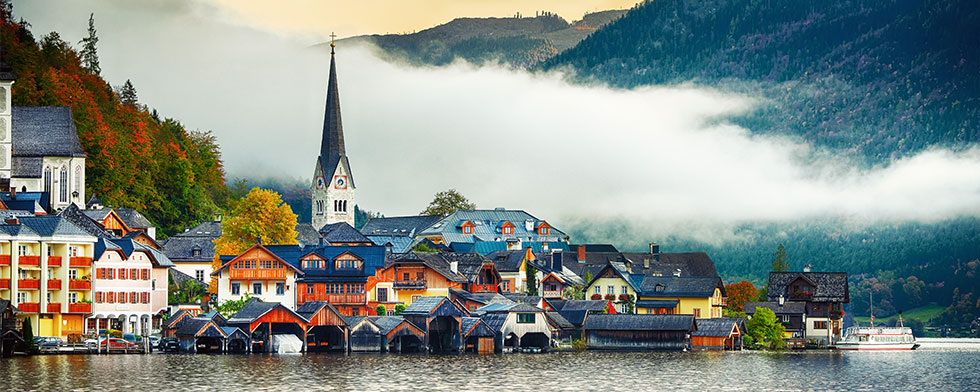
{"x": 29, "y": 307}
{"x": 29, "y": 261}
{"x": 80, "y": 307}
{"x": 80, "y": 261}
{"x": 4, "y": 259}
{"x": 54, "y": 284}
{"x": 54, "y": 307}
{"x": 347, "y": 299}
{"x": 4, "y": 284}
{"x": 483, "y": 288}
{"x": 54, "y": 261}
{"x": 257, "y": 274}
{"x": 28, "y": 284}
{"x": 416, "y": 284}
{"x": 551, "y": 293}
{"x": 79, "y": 284}
{"x": 719, "y": 301}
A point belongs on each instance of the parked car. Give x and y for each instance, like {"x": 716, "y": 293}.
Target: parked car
{"x": 47, "y": 341}
{"x": 116, "y": 343}
{"x": 154, "y": 341}
{"x": 169, "y": 345}
{"x": 130, "y": 338}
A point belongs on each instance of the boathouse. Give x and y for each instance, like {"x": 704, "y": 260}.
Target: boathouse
{"x": 441, "y": 321}
{"x": 517, "y": 325}
{"x": 175, "y": 321}
{"x": 718, "y": 334}
{"x": 200, "y": 335}
{"x": 639, "y": 331}
{"x": 9, "y": 335}
{"x": 478, "y": 336}
{"x": 327, "y": 330}
{"x": 271, "y": 325}
{"x": 384, "y": 334}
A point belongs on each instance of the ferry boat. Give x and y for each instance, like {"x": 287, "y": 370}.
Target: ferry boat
{"x": 878, "y": 338}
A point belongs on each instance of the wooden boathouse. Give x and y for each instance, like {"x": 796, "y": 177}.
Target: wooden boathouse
{"x": 669, "y": 332}
{"x": 441, "y": 321}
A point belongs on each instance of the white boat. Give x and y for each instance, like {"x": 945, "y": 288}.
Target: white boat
{"x": 878, "y": 338}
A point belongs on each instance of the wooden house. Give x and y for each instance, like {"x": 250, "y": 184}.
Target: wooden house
{"x": 9, "y": 334}
{"x": 414, "y": 275}
{"x": 639, "y": 331}
{"x": 327, "y": 329}
{"x": 561, "y": 328}
{"x": 517, "y": 325}
{"x": 264, "y": 320}
{"x": 824, "y": 295}
{"x": 478, "y": 336}
{"x": 718, "y": 334}
{"x": 200, "y": 335}
{"x": 173, "y": 323}
{"x": 480, "y": 273}
{"x": 260, "y": 272}
{"x": 441, "y": 321}
{"x": 384, "y": 334}
{"x": 337, "y": 274}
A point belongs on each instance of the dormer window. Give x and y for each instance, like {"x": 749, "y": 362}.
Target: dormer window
{"x": 467, "y": 229}
{"x": 508, "y": 230}
{"x": 659, "y": 288}
{"x": 196, "y": 252}
{"x": 543, "y": 230}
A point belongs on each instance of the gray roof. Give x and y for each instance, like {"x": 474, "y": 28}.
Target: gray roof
{"x": 75, "y": 215}
{"x": 44, "y": 131}
{"x": 399, "y": 244}
{"x": 495, "y": 321}
{"x": 97, "y": 215}
{"x": 657, "y": 303}
{"x": 831, "y": 286}
{"x": 254, "y": 309}
{"x": 180, "y": 248}
{"x": 404, "y": 226}
{"x": 560, "y": 321}
{"x": 309, "y": 308}
{"x": 640, "y": 322}
{"x": 424, "y": 305}
{"x": 788, "y": 307}
{"x": 524, "y": 299}
{"x": 388, "y": 323}
{"x": 26, "y": 167}
{"x": 180, "y": 278}
{"x": 134, "y": 219}
{"x": 191, "y": 325}
{"x": 506, "y": 308}
{"x": 597, "y": 305}
{"x": 53, "y": 225}
{"x": 468, "y": 264}
{"x": 681, "y": 286}
{"x": 307, "y": 235}
{"x": 487, "y": 227}
{"x": 576, "y": 317}
{"x": 342, "y": 232}
{"x": 717, "y": 327}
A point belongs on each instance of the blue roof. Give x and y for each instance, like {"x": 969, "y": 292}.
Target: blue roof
{"x": 487, "y": 227}
{"x": 52, "y": 225}
{"x": 399, "y": 244}
{"x": 372, "y": 256}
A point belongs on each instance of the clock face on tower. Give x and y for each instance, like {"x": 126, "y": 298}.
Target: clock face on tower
{"x": 340, "y": 182}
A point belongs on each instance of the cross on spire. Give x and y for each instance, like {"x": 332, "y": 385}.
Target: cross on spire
{"x": 332, "y": 43}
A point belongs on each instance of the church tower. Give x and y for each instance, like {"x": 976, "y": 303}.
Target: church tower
{"x": 333, "y": 183}
{"x": 7, "y": 78}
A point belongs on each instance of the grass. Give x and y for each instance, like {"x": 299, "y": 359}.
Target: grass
{"x": 924, "y": 313}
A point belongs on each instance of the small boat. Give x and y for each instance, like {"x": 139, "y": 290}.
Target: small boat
{"x": 878, "y": 338}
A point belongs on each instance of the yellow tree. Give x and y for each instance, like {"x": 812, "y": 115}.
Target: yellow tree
{"x": 261, "y": 214}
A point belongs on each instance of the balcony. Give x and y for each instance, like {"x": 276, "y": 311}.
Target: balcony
{"x": 24, "y": 261}
{"x": 4, "y": 284}
{"x": 483, "y": 288}
{"x": 551, "y": 293}
{"x": 416, "y": 284}
{"x": 719, "y": 301}
{"x": 4, "y": 259}
{"x": 28, "y": 284}
{"x": 29, "y": 307}
{"x": 80, "y": 307}
{"x": 54, "y": 307}
{"x": 258, "y": 274}
{"x": 79, "y": 284}
{"x": 80, "y": 261}
{"x": 54, "y": 284}
{"x": 54, "y": 261}
{"x": 346, "y": 299}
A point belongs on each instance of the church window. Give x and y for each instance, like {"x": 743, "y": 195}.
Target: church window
{"x": 47, "y": 179}
{"x": 64, "y": 184}
{"x": 345, "y": 205}
{"x": 78, "y": 180}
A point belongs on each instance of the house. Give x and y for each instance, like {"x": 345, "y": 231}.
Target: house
{"x": 615, "y": 282}
{"x": 327, "y": 329}
{"x": 517, "y": 325}
{"x": 577, "y": 311}
{"x": 261, "y": 273}
{"x": 414, "y": 275}
{"x": 701, "y": 296}
{"x": 200, "y": 335}
{"x": 562, "y": 329}
{"x": 480, "y": 273}
{"x": 791, "y": 314}
{"x": 515, "y": 228}
{"x": 337, "y": 274}
{"x": 174, "y": 322}
{"x": 384, "y": 334}
{"x": 718, "y": 334}
{"x": 270, "y": 325}
{"x": 129, "y": 287}
{"x": 639, "y": 331}
{"x": 824, "y": 294}
{"x": 192, "y": 251}
{"x": 440, "y": 320}
{"x": 397, "y": 234}
{"x": 9, "y": 332}
{"x": 473, "y": 301}
{"x": 478, "y": 336}
{"x": 46, "y": 272}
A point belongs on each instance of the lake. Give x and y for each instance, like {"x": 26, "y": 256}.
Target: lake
{"x": 947, "y": 365}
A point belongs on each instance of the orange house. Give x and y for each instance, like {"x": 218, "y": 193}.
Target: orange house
{"x": 413, "y": 275}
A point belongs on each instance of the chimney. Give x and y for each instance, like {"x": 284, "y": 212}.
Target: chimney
{"x": 454, "y": 266}
{"x": 580, "y": 251}
{"x": 556, "y": 260}
{"x": 321, "y": 241}
{"x": 677, "y": 272}
{"x": 217, "y": 217}
{"x": 13, "y": 193}
{"x": 655, "y": 251}
{"x": 544, "y": 246}
{"x": 806, "y": 268}
{"x": 782, "y": 300}
{"x": 12, "y": 221}
{"x": 646, "y": 263}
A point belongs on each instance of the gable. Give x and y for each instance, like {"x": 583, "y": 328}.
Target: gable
{"x": 257, "y": 252}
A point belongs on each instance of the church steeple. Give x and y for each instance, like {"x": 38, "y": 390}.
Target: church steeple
{"x": 332, "y": 190}
{"x": 332, "y": 143}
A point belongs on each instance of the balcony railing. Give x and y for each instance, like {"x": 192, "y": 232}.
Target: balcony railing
{"x": 80, "y": 261}
{"x": 4, "y": 259}
{"x": 79, "y": 284}
{"x": 551, "y": 293}
{"x": 4, "y": 284}
{"x": 409, "y": 284}
{"x": 54, "y": 284}
{"x": 54, "y": 307}
{"x": 28, "y": 284}
{"x": 484, "y": 288}
{"x": 258, "y": 273}
{"x": 29, "y": 260}
{"x": 80, "y": 307}
{"x": 719, "y": 301}
{"x": 29, "y": 307}
{"x": 346, "y": 299}
{"x": 54, "y": 261}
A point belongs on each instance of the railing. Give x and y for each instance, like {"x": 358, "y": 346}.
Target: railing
{"x": 54, "y": 307}
{"x": 29, "y": 307}
{"x": 484, "y": 288}
{"x": 80, "y": 261}
{"x": 4, "y": 259}
{"x": 28, "y": 284}
{"x": 258, "y": 273}
{"x": 551, "y": 293}
{"x": 346, "y": 298}
{"x": 54, "y": 284}
{"x": 4, "y": 283}
{"x": 79, "y": 284}
{"x": 409, "y": 284}
{"x": 80, "y": 307}
{"x": 54, "y": 261}
{"x": 29, "y": 260}
{"x": 719, "y": 301}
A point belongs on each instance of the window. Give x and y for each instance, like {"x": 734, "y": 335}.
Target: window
{"x": 146, "y": 274}
{"x": 309, "y": 289}
{"x": 508, "y": 230}
{"x": 64, "y": 184}
{"x": 697, "y": 312}
{"x": 816, "y": 324}
{"x": 199, "y": 274}
{"x": 50, "y": 273}
{"x": 196, "y": 252}
{"x": 73, "y": 274}
{"x": 543, "y": 230}
{"x": 72, "y": 297}
{"x": 355, "y": 311}
{"x": 611, "y": 289}
{"x": 659, "y": 288}
{"x": 785, "y": 318}
{"x": 145, "y": 297}
{"x": 405, "y": 276}
{"x": 266, "y": 264}
{"x": 47, "y": 179}
{"x": 525, "y": 318}
{"x": 382, "y": 295}
{"x": 50, "y": 296}
{"x": 598, "y": 290}
{"x": 74, "y": 251}
{"x": 122, "y": 273}
{"x": 416, "y": 297}
{"x": 625, "y": 290}
{"x": 236, "y": 288}
{"x": 78, "y": 180}
{"x": 110, "y": 273}
{"x": 110, "y": 298}
{"x": 257, "y": 288}
{"x": 99, "y": 297}
{"x": 280, "y": 288}
{"x": 420, "y": 275}
{"x": 134, "y": 274}
{"x": 23, "y": 250}
{"x": 21, "y": 297}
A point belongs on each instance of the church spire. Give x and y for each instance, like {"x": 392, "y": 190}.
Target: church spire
{"x": 332, "y": 144}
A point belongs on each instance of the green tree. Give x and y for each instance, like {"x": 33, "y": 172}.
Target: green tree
{"x": 399, "y": 308}
{"x": 127, "y": 94}
{"x": 447, "y": 202}
{"x": 765, "y": 331}
{"x": 531, "y": 275}
{"x": 229, "y": 307}
{"x": 574, "y": 293}
{"x": 188, "y": 292}
{"x": 779, "y": 262}
{"x": 27, "y": 332}
{"x": 90, "y": 55}
{"x": 381, "y": 310}
{"x": 424, "y": 248}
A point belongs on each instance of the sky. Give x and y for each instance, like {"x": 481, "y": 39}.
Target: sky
{"x": 662, "y": 158}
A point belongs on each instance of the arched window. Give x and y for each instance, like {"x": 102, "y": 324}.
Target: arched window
{"x": 47, "y": 179}
{"x": 78, "y": 180}
{"x": 64, "y": 184}
{"x": 344, "y": 205}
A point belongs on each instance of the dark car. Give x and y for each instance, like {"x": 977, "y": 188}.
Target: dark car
{"x": 169, "y": 345}
{"x": 48, "y": 341}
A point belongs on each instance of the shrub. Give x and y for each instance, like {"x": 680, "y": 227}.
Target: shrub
{"x": 399, "y": 308}
{"x": 579, "y": 345}
{"x": 114, "y": 333}
{"x": 381, "y": 310}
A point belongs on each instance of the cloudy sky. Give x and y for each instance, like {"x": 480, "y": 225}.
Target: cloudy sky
{"x": 658, "y": 156}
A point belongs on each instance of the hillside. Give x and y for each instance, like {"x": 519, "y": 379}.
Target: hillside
{"x": 136, "y": 159}
{"x": 878, "y": 78}
{"x": 521, "y": 42}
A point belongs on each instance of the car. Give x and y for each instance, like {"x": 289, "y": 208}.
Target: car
{"x": 169, "y": 345}
{"x": 154, "y": 341}
{"x": 48, "y": 341}
{"x": 130, "y": 338}
{"x": 117, "y": 343}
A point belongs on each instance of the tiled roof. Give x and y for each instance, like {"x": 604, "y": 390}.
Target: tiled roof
{"x": 310, "y": 308}
{"x": 559, "y": 321}
{"x": 657, "y": 303}
{"x": 424, "y": 305}
{"x": 180, "y": 248}
{"x": 523, "y": 299}
{"x": 26, "y": 167}
{"x": 788, "y": 307}
{"x": 576, "y": 317}
{"x": 681, "y": 286}
{"x": 180, "y": 277}
{"x": 589, "y": 305}
{"x": 399, "y": 244}
{"x": 254, "y": 309}
{"x": 388, "y": 323}
{"x": 717, "y": 327}
{"x": 307, "y": 235}
{"x": 41, "y": 131}
{"x": 401, "y": 226}
{"x": 53, "y": 225}
{"x": 487, "y": 227}
{"x": 75, "y": 215}
{"x": 495, "y": 321}
{"x": 468, "y": 264}
{"x": 640, "y": 322}
{"x": 341, "y": 232}
{"x": 134, "y": 219}
{"x": 97, "y": 215}
{"x": 831, "y": 286}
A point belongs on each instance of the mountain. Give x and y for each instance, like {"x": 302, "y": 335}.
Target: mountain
{"x": 518, "y": 41}
{"x": 136, "y": 159}
{"x": 879, "y": 78}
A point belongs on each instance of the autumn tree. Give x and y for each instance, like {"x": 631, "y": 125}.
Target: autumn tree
{"x": 260, "y": 217}
{"x": 447, "y": 202}
{"x": 90, "y": 55}
{"x": 740, "y": 293}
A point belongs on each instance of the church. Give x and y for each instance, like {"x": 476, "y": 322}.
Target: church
{"x": 333, "y": 183}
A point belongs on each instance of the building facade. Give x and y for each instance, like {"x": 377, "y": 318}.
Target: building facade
{"x": 130, "y": 287}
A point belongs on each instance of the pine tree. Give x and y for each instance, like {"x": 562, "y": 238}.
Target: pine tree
{"x": 128, "y": 94}
{"x": 90, "y": 55}
{"x": 6, "y": 10}
{"x": 779, "y": 262}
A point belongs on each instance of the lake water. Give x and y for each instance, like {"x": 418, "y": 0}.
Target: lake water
{"x": 934, "y": 367}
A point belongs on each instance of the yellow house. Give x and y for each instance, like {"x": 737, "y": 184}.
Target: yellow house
{"x": 702, "y": 296}
{"x": 614, "y": 282}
